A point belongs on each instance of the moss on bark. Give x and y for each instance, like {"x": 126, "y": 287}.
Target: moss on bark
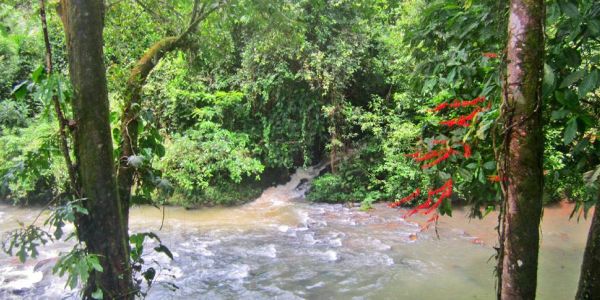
{"x": 523, "y": 153}
{"x": 103, "y": 228}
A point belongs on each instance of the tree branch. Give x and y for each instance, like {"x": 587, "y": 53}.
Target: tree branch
{"x": 63, "y": 123}
{"x": 202, "y": 14}
{"x": 157, "y": 17}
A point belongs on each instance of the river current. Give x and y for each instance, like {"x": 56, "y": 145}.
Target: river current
{"x": 282, "y": 247}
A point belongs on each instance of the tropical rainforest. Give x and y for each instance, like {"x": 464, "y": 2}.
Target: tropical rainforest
{"x": 425, "y": 105}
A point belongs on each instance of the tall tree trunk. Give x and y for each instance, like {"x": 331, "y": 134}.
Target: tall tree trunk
{"x": 103, "y": 229}
{"x": 589, "y": 280}
{"x": 523, "y": 151}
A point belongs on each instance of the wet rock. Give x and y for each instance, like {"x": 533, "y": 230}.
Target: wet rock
{"x": 303, "y": 185}
{"x": 325, "y": 170}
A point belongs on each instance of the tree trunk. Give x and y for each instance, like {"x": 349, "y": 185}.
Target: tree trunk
{"x": 589, "y": 280}
{"x": 129, "y": 119}
{"x": 103, "y": 229}
{"x": 137, "y": 78}
{"x": 523, "y": 152}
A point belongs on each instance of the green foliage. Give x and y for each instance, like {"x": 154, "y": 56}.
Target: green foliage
{"x": 213, "y": 155}
{"x": 78, "y": 265}
{"x": 572, "y": 95}
{"x": 281, "y": 84}
{"x": 27, "y": 238}
{"x": 64, "y": 214}
{"x": 144, "y": 271}
{"x": 13, "y": 114}
{"x": 25, "y": 241}
{"x": 378, "y": 169}
{"x": 31, "y": 168}
{"x": 20, "y": 52}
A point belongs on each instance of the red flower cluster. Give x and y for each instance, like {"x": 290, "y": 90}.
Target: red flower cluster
{"x": 441, "y": 106}
{"x": 439, "y": 155}
{"x": 458, "y": 103}
{"x": 429, "y": 155}
{"x": 406, "y": 199}
{"x": 445, "y": 191}
{"x": 490, "y": 55}
{"x": 467, "y": 103}
{"x": 464, "y": 121}
{"x": 444, "y": 155}
{"x": 434, "y": 157}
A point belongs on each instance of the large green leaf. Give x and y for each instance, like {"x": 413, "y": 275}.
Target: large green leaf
{"x": 589, "y": 83}
{"x": 559, "y": 114}
{"x": 594, "y": 27}
{"x": 572, "y": 78}
{"x": 549, "y": 81}
{"x": 570, "y": 131}
{"x": 569, "y": 8}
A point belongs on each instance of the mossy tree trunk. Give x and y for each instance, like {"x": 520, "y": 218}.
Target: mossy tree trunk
{"x": 103, "y": 228}
{"x": 129, "y": 118}
{"x": 137, "y": 79}
{"x": 523, "y": 151}
{"x": 589, "y": 280}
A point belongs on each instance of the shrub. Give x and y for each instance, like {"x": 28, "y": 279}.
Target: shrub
{"x": 31, "y": 167}
{"x": 202, "y": 163}
{"x": 12, "y": 114}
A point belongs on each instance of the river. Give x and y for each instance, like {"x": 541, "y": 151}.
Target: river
{"x": 282, "y": 247}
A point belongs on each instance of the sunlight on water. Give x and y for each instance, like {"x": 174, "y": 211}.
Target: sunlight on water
{"x": 281, "y": 246}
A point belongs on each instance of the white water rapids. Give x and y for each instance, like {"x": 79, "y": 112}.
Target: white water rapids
{"x": 282, "y": 247}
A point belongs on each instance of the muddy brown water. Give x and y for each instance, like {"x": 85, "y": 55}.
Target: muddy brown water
{"x": 281, "y": 247}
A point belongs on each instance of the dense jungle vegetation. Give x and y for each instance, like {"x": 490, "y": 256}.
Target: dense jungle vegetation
{"x": 212, "y": 101}
{"x": 268, "y": 86}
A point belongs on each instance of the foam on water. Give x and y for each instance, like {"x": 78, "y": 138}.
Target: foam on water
{"x": 281, "y": 247}
{"x": 20, "y": 279}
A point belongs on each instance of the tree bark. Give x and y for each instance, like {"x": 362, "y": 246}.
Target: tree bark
{"x": 102, "y": 229}
{"x": 129, "y": 118}
{"x": 131, "y": 109}
{"x": 523, "y": 151}
{"x": 589, "y": 280}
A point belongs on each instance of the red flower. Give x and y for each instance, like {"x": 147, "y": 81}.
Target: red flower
{"x": 496, "y": 178}
{"x": 440, "y": 159}
{"x": 406, "y": 199}
{"x": 413, "y": 155}
{"x": 458, "y": 103}
{"x": 467, "y": 103}
{"x": 430, "y": 155}
{"x": 439, "y": 142}
{"x": 463, "y": 121}
{"x": 445, "y": 194}
{"x": 440, "y": 106}
{"x": 445, "y": 191}
{"x": 467, "y": 149}
{"x": 447, "y": 185}
{"x": 490, "y": 55}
